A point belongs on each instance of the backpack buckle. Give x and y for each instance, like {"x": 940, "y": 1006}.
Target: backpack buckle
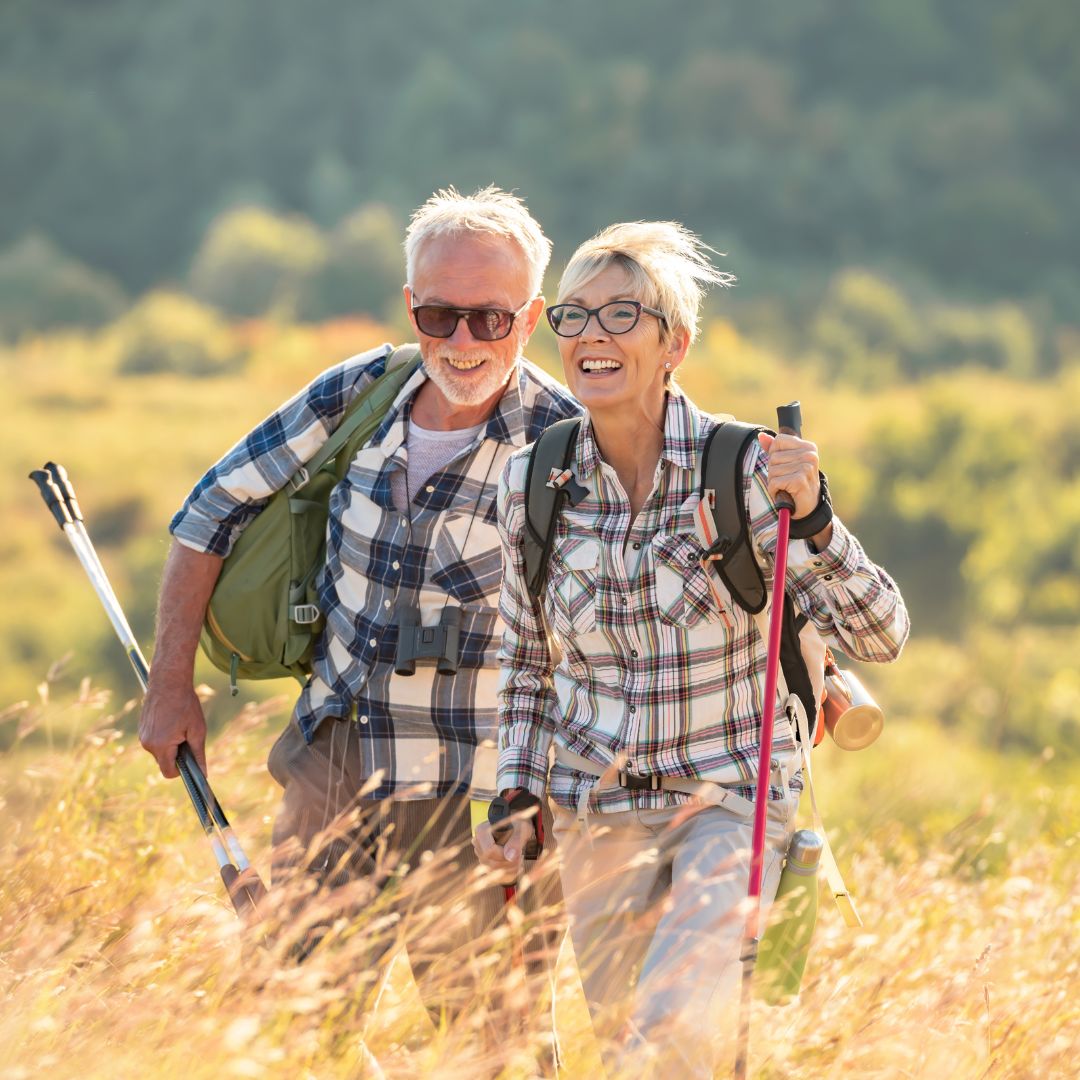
{"x": 717, "y": 551}
{"x": 638, "y": 783}
{"x": 304, "y": 614}
{"x": 298, "y": 480}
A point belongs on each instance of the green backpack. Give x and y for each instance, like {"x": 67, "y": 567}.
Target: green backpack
{"x": 263, "y": 618}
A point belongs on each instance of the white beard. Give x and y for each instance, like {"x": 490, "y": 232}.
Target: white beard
{"x": 462, "y": 388}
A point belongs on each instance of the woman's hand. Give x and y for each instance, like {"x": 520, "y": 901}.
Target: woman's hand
{"x": 794, "y": 469}
{"x": 508, "y": 857}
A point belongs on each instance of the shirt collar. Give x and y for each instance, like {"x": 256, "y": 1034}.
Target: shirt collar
{"x": 506, "y": 424}
{"x": 682, "y": 430}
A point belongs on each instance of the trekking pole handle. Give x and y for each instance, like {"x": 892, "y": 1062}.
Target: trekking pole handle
{"x": 54, "y": 498}
{"x": 789, "y": 418}
{"x": 63, "y": 485}
{"x": 788, "y": 422}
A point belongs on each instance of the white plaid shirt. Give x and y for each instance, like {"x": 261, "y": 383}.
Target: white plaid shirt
{"x": 421, "y": 730}
{"x": 653, "y": 667}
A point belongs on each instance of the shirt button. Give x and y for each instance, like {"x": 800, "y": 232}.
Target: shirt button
{"x": 828, "y": 577}
{"x": 637, "y": 547}
{"x": 373, "y": 643}
{"x": 396, "y": 565}
{"x": 633, "y": 653}
{"x": 633, "y": 708}
{"x": 430, "y": 488}
{"x": 818, "y": 562}
{"x": 386, "y": 603}
{"x": 624, "y": 600}
{"x": 363, "y": 719}
{"x": 404, "y": 523}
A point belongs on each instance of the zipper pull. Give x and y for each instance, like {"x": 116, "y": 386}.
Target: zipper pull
{"x": 234, "y": 666}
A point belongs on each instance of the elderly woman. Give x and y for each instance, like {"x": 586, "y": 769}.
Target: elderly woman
{"x": 656, "y": 680}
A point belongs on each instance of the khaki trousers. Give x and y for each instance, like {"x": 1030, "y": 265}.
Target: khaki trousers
{"x": 655, "y": 902}
{"x": 414, "y": 863}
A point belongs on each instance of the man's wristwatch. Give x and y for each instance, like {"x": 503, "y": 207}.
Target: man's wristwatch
{"x": 818, "y": 518}
{"x": 515, "y": 801}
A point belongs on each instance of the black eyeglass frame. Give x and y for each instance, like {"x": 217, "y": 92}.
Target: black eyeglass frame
{"x": 464, "y": 313}
{"x": 596, "y": 313}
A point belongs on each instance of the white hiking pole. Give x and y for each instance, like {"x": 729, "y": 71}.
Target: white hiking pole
{"x": 242, "y": 882}
{"x": 788, "y": 421}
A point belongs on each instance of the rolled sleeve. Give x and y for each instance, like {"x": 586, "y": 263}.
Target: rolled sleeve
{"x": 239, "y": 485}
{"x": 852, "y": 602}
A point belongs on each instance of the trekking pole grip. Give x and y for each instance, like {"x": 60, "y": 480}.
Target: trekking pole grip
{"x": 63, "y": 485}
{"x": 789, "y": 418}
{"x": 52, "y": 495}
{"x": 788, "y": 422}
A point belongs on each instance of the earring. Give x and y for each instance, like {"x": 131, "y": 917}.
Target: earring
{"x": 667, "y": 366}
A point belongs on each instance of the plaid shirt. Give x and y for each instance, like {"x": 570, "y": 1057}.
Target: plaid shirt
{"x": 422, "y": 730}
{"x": 653, "y": 667}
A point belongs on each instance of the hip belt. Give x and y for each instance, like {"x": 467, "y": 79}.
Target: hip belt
{"x": 711, "y": 792}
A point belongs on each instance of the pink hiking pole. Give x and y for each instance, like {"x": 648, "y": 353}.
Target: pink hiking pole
{"x": 789, "y": 422}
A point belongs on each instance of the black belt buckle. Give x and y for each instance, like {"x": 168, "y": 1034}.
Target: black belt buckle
{"x": 638, "y": 783}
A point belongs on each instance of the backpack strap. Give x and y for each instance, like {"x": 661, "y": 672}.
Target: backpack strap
{"x": 400, "y": 365}
{"x": 553, "y": 450}
{"x": 721, "y": 472}
{"x": 735, "y": 558}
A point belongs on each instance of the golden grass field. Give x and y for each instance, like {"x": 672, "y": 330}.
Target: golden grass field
{"x": 120, "y": 955}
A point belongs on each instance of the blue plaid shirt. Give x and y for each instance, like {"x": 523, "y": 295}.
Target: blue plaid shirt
{"x": 421, "y": 731}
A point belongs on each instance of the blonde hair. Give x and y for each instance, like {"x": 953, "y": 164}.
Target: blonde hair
{"x": 667, "y": 264}
{"x": 489, "y": 210}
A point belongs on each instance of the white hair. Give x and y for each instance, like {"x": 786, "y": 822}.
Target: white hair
{"x": 668, "y": 267}
{"x": 489, "y": 210}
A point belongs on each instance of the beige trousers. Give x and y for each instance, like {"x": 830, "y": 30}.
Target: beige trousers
{"x": 406, "y": 867}
{"x": 654, "y": 899}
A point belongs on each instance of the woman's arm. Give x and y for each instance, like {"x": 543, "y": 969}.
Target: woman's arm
{"x": 854, "y": 603}
{"x": 526, "y": 689}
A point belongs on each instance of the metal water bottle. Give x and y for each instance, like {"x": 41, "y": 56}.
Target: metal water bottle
{"x": 785, "y": 944}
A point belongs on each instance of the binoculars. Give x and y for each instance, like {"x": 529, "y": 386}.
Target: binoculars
{"x": 439, "y": 643}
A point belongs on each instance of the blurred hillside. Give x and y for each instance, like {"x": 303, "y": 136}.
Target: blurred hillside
{"x": 932, "y": 140}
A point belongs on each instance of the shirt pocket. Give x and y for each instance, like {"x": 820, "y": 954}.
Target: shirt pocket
{"x": 572, "y": 580}
{"x": 466, "y": 559}
{"x": 684, "y": 596}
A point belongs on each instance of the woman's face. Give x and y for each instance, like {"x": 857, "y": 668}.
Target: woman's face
{"x": 624, "y": 371}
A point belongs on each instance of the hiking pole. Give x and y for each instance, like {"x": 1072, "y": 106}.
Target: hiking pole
{"x": 789, "y": 422}
{"x": 241, "y": 881}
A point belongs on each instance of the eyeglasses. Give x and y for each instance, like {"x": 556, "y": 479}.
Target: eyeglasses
{"x": 485, "y": 324}
{"x": 618, "y": 317}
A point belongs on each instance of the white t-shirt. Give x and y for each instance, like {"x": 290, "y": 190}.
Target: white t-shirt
{"x": 428, "y": 452}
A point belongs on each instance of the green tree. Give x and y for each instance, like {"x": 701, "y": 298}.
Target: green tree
{"x": 251, "y": 260}
{"x": 170, "y": 332}
{"x": 41, "y": 287}
{"x": 362, "y": 271}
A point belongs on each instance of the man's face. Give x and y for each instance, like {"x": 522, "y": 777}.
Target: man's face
{"x": 473, "y": 272}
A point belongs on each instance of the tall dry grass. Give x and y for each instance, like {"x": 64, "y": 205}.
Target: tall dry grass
{"x": 120, "y": 956}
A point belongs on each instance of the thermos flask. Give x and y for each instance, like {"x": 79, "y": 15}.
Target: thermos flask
{"x": 785, "y": 945}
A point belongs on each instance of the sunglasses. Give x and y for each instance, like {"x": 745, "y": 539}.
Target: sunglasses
{"x": 485, "y": 324}
{"x": 618, "y": 317}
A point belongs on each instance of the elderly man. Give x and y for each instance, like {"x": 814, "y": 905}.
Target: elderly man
{"x": 411, "y": 534}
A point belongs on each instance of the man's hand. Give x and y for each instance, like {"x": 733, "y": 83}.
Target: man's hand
{"x": 794, "y": 469}
{"x": 509, "y": 857}
{"x": 172, "y": 714}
